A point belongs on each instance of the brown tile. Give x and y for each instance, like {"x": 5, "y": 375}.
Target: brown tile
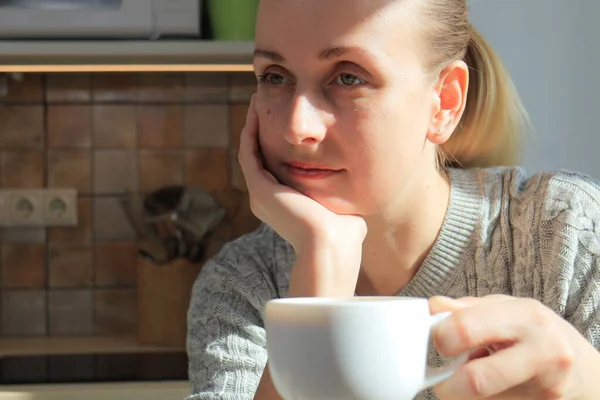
{"x": 213, "y": 247}
{"x": 237, "y": 176}
{"x": 114, "y": 126}
{"x": 70, "y": 169}
{"x": 70, "y": 266}
{"x": 161, "y": 87}
{"x": 207, "y": 168}
{"x": 237, "y": 121}
{"x": 23, "y": 235}
{"x": 242, "y": 86}
{"x": 70, "y": 312}
{"x": 229, "y": 198}
{"x": 110, "y": 87}
{"x": 159, "y": 168}
{"x": 80, "y": 234}
{"x": 116, "y": 263}
{"x": 21, "y": 127}
{"x": 69, "y": 126}
{"x": 75, "y": 88}
{"x": 23, "y": 313}
{"x": 23, "y": 169}
{"x": 245, "y": 221}
{"x": 206, "y": 126}
{"x": 110, "y": 221}
{"x": 206, "y": 86}
{"x": 30, "y": 89}
{"x": 160, "y": 126}
{"x": 23, "y": 266}
{"x": 115, "y": 311}
{"x": 239, "y": 219}
{"x": 115, "y": 171}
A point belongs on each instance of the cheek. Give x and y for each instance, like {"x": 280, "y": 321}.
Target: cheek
{"x": 270, "y": 129}
{"x": 366, "y": 125}
{"x": 269, "y": 114}
{"x": 265, "y": 118}
{"x": 384, "y": 137}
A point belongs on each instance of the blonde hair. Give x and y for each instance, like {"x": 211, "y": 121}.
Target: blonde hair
{"x": 490, "y": 131}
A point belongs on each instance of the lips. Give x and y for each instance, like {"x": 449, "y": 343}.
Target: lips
{"x": 311, "y": 166}
{"x": 311, "y": 170}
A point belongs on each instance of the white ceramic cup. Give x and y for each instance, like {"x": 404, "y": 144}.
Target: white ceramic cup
{"x": 361, "y": 348}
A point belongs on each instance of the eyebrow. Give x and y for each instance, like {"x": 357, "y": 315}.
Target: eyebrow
{"x": 269, "y": 55}
{"x": 326, "y": 55}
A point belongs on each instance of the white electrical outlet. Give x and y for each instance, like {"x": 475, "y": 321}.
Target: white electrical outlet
{"x": 38, "y": 207}
{"x": 24, "y": 208}
{"x": 60, "y": 207}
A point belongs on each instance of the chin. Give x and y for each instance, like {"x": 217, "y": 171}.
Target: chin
{"x": 336, "y": 204}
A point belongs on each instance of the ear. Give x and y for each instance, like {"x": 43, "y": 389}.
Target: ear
{"x": 450, "y": 99}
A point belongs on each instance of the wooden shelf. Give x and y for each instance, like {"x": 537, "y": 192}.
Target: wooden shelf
{"x": 11, "y": 347}
{"x": 124, "y": 56}
{"x": 98, "y": 391}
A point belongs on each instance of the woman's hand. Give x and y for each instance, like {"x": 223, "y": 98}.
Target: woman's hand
{"x": 316, "y": 234}
{"x": 535, "y": 354}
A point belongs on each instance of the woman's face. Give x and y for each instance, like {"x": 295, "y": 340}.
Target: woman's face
{"x": 344, "y": 102}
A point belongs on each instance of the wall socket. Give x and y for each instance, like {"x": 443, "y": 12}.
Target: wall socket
{"x": 38, "y": 207}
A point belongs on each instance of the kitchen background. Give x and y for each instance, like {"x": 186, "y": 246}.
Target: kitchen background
{"x": 79, "y": 304}
{"x": 102, "y": 134}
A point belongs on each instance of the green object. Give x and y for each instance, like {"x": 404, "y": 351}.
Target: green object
{"x": 233, "y": 20}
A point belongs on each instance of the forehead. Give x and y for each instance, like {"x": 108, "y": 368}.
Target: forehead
{"x": 305, "y": 27}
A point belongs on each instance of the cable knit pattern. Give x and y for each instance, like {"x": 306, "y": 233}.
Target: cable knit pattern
{"x": 505, "y": 232}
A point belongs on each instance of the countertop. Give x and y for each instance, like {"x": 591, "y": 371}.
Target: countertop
{"x": 168, "y": 390}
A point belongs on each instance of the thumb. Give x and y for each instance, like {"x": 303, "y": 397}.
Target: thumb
{"x": 438, "y": 304}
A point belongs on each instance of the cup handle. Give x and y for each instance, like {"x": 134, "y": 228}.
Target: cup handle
{"x": 435, "y": 375}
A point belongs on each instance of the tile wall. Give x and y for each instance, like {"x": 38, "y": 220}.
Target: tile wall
{"x": 104, "y": 134}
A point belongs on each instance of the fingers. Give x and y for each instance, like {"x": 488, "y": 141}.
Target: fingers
{"x": 438, "y": 304}
{"x": 248, "y": 152}
{"x": 489, "y": 376}
{"x": 530, "y": 348}
{"x": 489, "y": 320}
{"x": 509, "y": 374}
{"x": 480, "y": 352}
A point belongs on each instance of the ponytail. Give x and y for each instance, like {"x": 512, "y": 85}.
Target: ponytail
{"x": 491, "y": 128}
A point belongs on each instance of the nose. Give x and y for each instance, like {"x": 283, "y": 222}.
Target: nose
{"x": 307, "y": 123}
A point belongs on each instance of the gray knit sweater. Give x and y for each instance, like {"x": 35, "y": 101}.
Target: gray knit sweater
{"x": 526, "y": 236}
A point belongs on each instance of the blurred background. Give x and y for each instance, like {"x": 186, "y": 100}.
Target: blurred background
{"x": 119, "y": 124}
{"x": 552, "y": 51}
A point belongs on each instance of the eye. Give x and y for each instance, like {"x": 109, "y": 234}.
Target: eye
{"x": 273, "y": 79}
{"x": 349, "y": 80}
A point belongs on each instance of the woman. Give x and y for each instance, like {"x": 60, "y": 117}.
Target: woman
{"x": 363, "y": 153}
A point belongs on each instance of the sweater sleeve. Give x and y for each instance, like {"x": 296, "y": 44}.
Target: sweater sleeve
{"x": 570, "y": 230}
{"x": 583, "y": 310}
{"x": 226, "y": 340}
